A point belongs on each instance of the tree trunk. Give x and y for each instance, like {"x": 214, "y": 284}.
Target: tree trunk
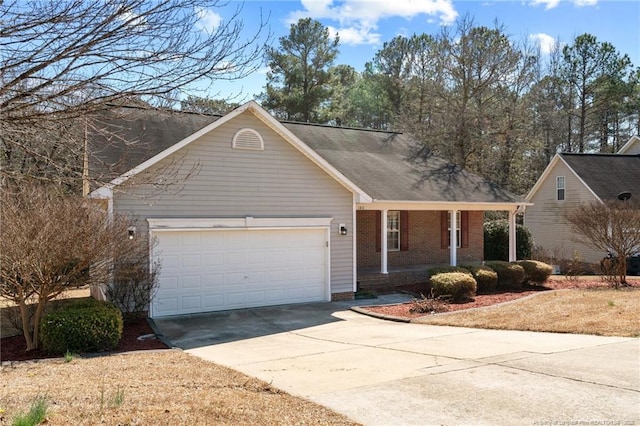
{"x": 26, "y": 326}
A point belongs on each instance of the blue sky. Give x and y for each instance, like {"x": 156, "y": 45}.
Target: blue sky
{"x": 364, "y": 25}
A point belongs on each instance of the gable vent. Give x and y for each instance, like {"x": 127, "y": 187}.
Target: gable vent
{"x": 248, "y": 139}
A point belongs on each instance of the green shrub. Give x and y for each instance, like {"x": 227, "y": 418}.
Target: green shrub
{"x": 535, "y": 272}
{"x": 486, "y": 278}
{"x": 459, "y": 285}
{"x": 86, "y": 326}
{"x": 446, "y": 269}
{"x": 510, "y": 275}
{"x": 496, "y": 241}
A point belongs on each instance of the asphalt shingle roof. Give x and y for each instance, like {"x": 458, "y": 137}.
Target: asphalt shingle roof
{"x": 607, "y": 174}
{"x": 380, "y": 163}
{"x": 383, "y": 164}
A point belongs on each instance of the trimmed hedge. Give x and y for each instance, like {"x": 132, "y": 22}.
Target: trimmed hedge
{"x": 486, "y": 278}
{"x": 510, "y": 275}
{"x": 446, "y": 269}
{"x": 85, "y": 326}
{"x": 535, "y": 272}
{"x": 496, "y": 241}
{"x": 459, "y": 285}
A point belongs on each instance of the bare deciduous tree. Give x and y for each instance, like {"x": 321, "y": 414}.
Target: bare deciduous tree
{"x": 64, "y": 62}
{"x": 612, "y": 226}
{"x": 51, "y": 242}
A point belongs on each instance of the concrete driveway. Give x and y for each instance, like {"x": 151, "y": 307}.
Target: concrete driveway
{"x": 387, "y": 373}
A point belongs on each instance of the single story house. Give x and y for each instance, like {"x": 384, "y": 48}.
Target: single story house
{"x": 249, "y": 211}
{"x": 569, "y": 180}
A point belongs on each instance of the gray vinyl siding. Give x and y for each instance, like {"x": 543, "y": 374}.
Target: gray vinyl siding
{"x": 545, "y": 219}
{"x": 216, "y": 181}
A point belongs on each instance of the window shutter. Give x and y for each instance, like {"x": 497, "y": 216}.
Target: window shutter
{"x": 404, "y": 230}
{"x": 464, "y": 229}
{"x": 378, "y": 230}
{"x": 444, "y": 233}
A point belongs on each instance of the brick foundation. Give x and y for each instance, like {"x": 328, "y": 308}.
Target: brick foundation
{"x": 381, "y": 283}
{"x": 342, "y": 296}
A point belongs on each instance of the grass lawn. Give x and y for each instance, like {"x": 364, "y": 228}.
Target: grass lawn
{"x": 152, "y": 388}
{"x": 171, "y": 387}
{"x": 600, "y": 311}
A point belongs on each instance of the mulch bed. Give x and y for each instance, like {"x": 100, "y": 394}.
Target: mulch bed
{"x": 553, "y": 283}
{"x": 14, "y": 348}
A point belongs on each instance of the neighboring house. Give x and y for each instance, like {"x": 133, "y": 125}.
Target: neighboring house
{"x": 631, "y": 147}
{"x": 249, "y": 211}
{"x": 572, "y": 179}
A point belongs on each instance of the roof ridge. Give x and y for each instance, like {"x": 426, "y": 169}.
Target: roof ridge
{"x": 364, "y": 129}
{"x": 598, "y": 154}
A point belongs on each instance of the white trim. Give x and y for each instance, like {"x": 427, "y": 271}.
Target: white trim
{"x": 384, "y": 258}
{"x": 327, "y": 254}
{"x": 104, "y": 193}
{"x": 458, "y": 228}
{"x": 564, "y": 188}
{"x": 354, "y": 257}
{"x": 240, "y": 132}
{"x": 395, "y": 231}
{"x": 266, "y": 118}
{"x": 512, "y": 237}
{"x": 438, "y": 205}
{"x": 453, "y": 237}
{"x": 200, "y": 224}
{"x": 628, "y": 145}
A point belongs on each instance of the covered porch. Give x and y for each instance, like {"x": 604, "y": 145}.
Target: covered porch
{"x": 419, "y": 236}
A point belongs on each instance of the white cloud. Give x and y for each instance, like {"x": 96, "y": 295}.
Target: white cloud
{"x": 209, "y": 20}
{"x": 359, "y": 19}
{"x": 545, "y": 41}
{"x": 355, "y": 36}
{"x": 550, "y": 4}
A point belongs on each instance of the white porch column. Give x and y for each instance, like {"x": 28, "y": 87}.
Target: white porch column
{"x": 383, "y": 242}
{"x": 512, "y": 236}
{"x": 453, "y": 247}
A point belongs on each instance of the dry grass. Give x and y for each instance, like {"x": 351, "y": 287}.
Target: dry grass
{"x": 169, "y": 387}
{"x": 603, "y": 312}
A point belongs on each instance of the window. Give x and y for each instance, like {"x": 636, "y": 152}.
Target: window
{"x": 462, "y": 229}
{"x": 458, "y": 233}
{"x": 397, "y": 227}
{"x": 393, "y": 231}
{"x": 560, "y": 188}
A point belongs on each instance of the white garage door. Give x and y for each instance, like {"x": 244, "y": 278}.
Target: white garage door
{"x": 205, "y": 271}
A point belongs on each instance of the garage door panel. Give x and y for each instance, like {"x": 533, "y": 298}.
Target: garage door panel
{"x": 191, "y": 282}
{"x": 217, "y": 270}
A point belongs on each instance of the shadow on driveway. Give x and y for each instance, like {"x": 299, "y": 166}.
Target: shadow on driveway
{"x": 193, "y": 331}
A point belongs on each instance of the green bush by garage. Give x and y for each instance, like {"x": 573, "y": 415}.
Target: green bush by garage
{"x": 85, "y": 326}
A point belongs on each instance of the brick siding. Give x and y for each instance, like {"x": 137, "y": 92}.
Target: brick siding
{"x": 424, "y": 241}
